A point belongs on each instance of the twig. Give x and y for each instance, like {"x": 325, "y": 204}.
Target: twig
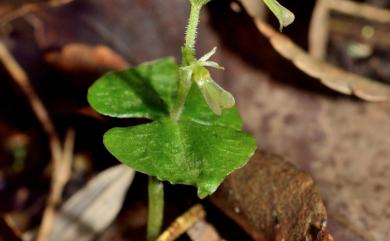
{"x": 254, "y": 8}
{"x": 18, "y": 12}
{"x": 67, "y": 155}
{"x": 39, "y": 31}
{"x": 56, "y": 3}
{"x": 61, "y": 175}
{"x": 8, "y": 231}
{"x": 9, "y": 222}
{"x": 28, "y": 8}
{"x": 183, "y": 223}
{"x": 318, "y": 31}
{"x": 361, "y": 10}
{"x": 60, "y": 157}
{"x": 22, "y": 80}
{"x": 319, "y": 26}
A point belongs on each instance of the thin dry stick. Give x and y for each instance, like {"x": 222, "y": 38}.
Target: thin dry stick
{"x": 18, "y": 12}
{"x": 8, "y": 220}
{"x": 183, "y": 223}
{"x": 21, "y": 79}
{"x": 319, "y": 26}
{"x": 56, "y": 3}
{"x": 318, "y": 32}
{"x": 255, "y": 8}
{"x": 61, "y": 175}
{"x": 28, "y": 8}
{"x": 61, "y": 159}
{"x": 67, "y": 156}
{"x": 361, "y": 10}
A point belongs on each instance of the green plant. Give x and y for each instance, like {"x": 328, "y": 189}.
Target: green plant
{"x": 195, "y": 136}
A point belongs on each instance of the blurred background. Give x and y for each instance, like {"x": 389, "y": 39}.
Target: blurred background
{"x": 290, "y": 88}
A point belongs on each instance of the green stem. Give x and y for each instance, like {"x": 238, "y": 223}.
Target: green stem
{"x": 188, "y": 52}
{"x": 192, "y": 27}
{"x": 182, "y": 92}
{"x": 156, "y": 208}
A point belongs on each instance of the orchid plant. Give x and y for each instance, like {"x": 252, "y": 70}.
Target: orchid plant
{"x": 195, "y": 136}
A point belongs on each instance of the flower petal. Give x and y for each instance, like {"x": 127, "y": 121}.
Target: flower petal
{"x": 208, "y": 55}
{"x": 216, "y": 97}
{"x": 212, "y": 64}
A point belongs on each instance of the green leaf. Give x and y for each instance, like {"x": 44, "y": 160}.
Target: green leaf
{"x": 197, "y": 110}
{"x": 285, "y": 16}
{"x": 147, "y": 91}
{"x": 200, "y": 149}
{"x": 183, "y": 152}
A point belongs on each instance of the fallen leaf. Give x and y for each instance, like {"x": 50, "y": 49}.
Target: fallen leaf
{"x": 272, "y": 200}
{"x": 78, "y": 57}
{"x": 203, "y": 231}
{"x": 329, "y": 75}
{"x": 90, "y": 211}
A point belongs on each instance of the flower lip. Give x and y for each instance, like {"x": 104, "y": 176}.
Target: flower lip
{"x": 215, "y": 96}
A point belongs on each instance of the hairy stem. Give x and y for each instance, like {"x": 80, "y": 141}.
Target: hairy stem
{"x": 192, "y": 27}
{"x": 156, "y": 208}
{"x": 188, "y": 57}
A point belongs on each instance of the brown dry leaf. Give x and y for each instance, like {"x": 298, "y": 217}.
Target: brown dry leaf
{"x": 78, "y": 57}
{"x": 90, "y": 211}
{"x": 5, "y": 9}
{"x": 272, "y": 200}
{"x": 329, "y": 75}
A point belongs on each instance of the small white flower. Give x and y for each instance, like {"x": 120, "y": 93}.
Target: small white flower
{"x": 216, "y": 97}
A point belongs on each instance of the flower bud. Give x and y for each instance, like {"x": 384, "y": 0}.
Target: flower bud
{"x": 285, "y": 16}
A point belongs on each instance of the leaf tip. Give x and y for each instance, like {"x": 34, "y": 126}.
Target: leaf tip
{"x": 206, "y": 189}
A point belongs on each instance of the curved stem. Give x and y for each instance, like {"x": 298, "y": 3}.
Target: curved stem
{"x": 155, "y": 209}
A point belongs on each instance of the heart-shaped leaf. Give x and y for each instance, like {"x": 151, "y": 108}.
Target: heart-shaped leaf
{"x": 182, "y": 152}
{"x": 200, "y": 149}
